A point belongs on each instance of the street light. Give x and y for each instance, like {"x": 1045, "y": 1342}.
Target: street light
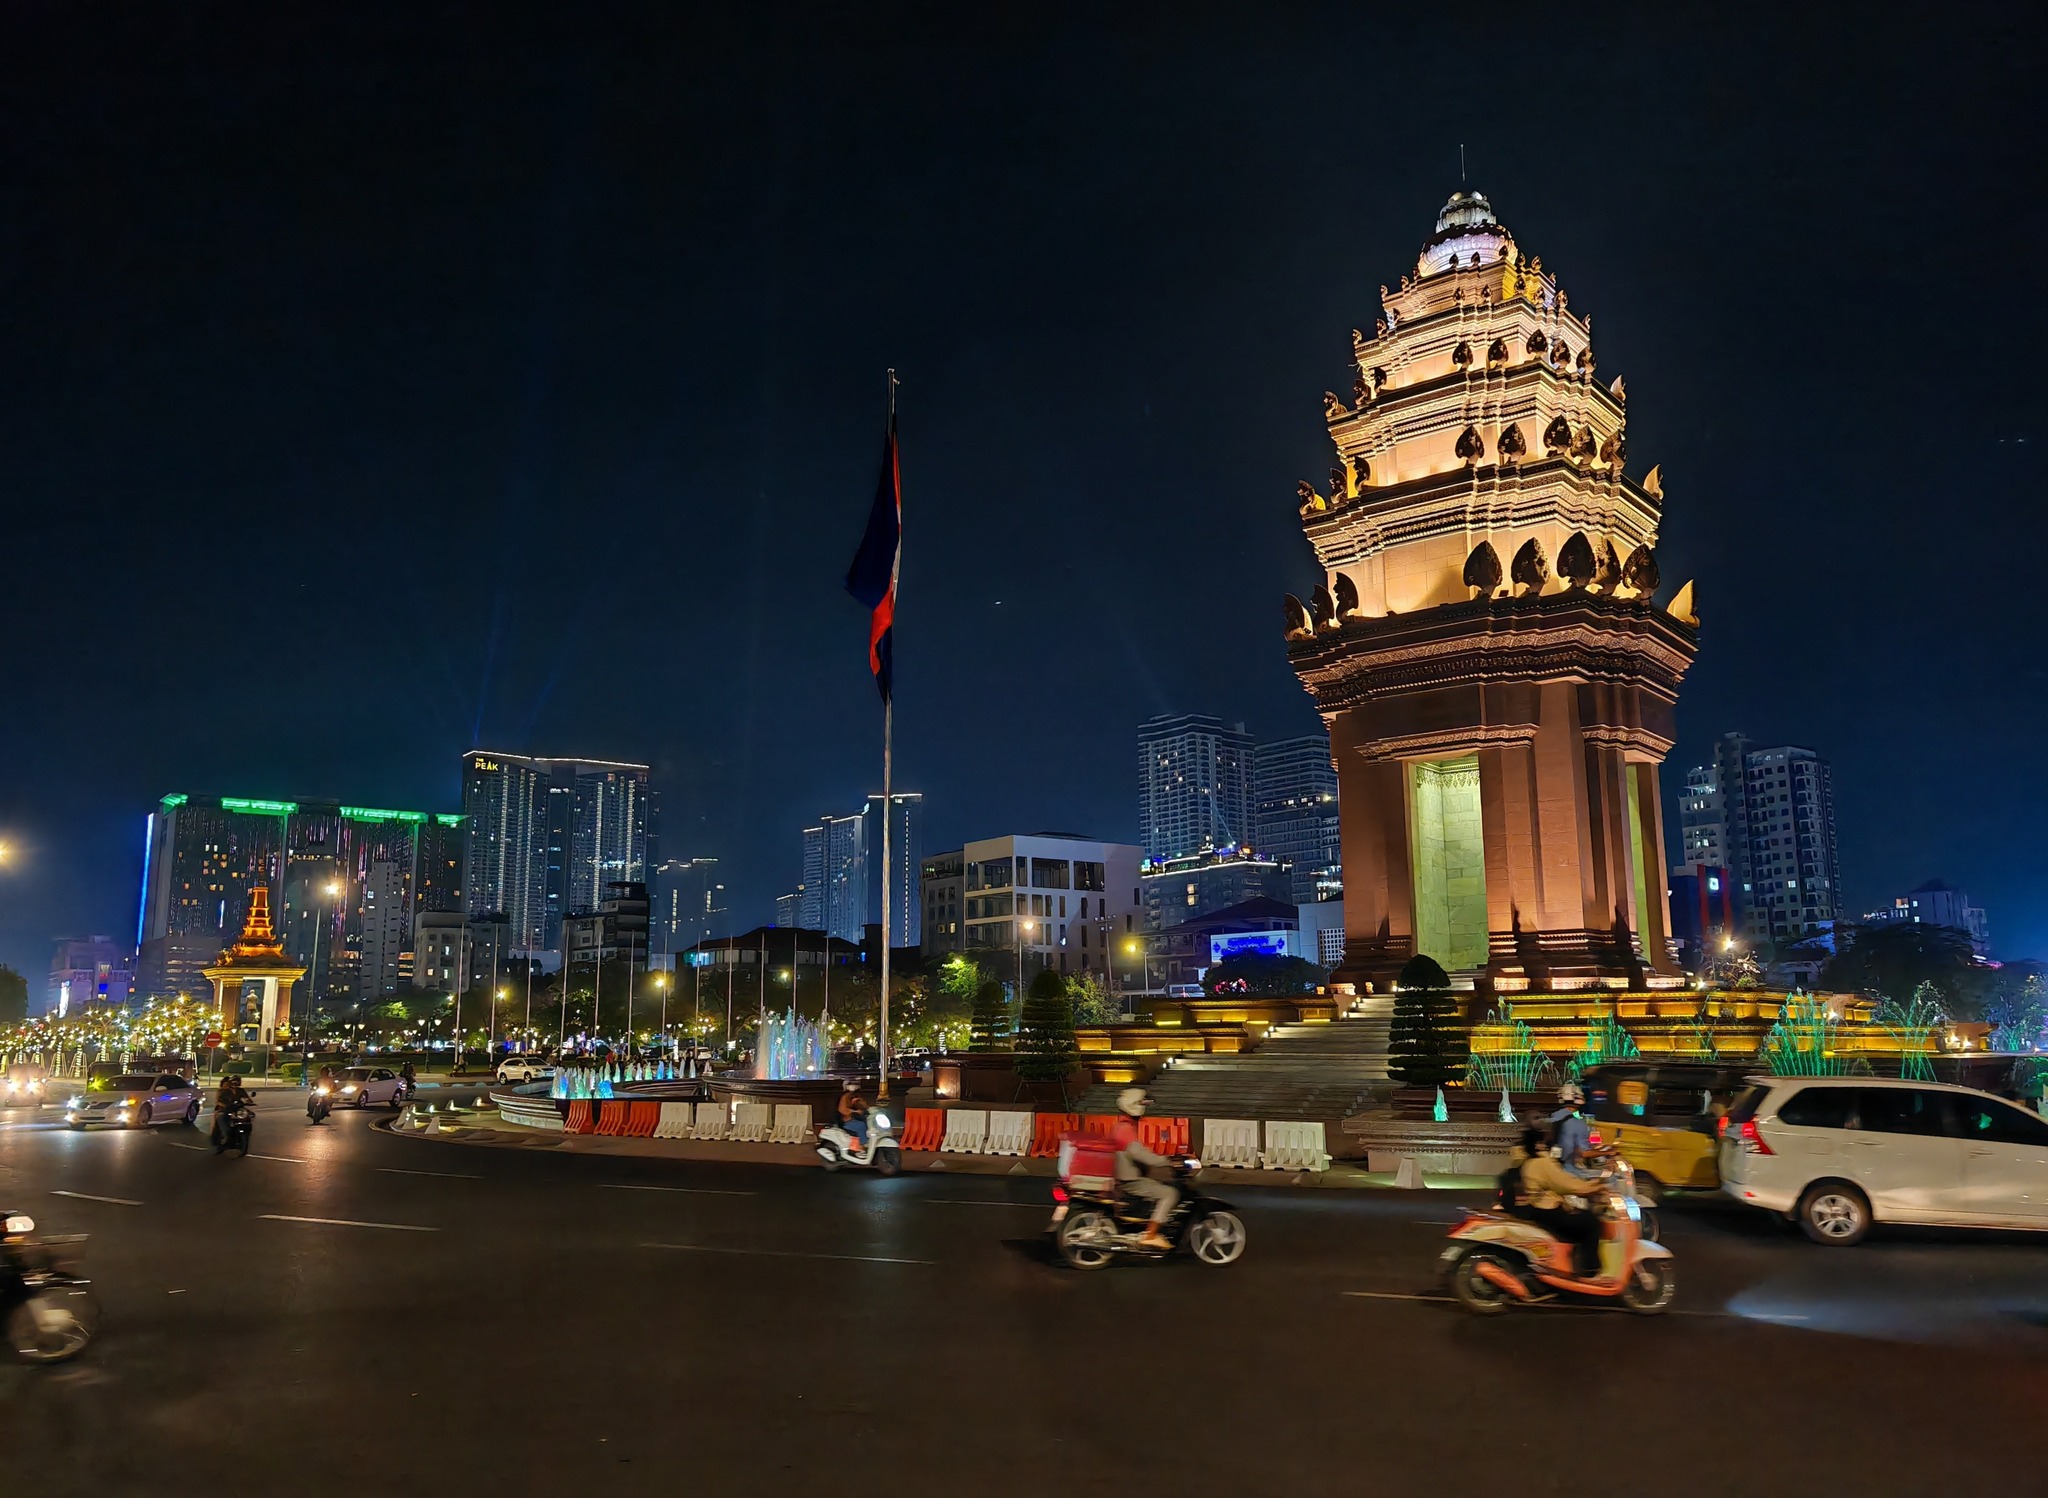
{"x": 1022, "y": 927}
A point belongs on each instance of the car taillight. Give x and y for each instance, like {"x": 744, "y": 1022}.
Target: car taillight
{"x": 1721, "y": 1127}
{"x": 1059, "y": 1193}
{"x": 1752, "y": 1140}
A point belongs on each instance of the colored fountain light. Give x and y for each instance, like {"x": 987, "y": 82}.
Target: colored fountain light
{"x": 789, "y": 1047}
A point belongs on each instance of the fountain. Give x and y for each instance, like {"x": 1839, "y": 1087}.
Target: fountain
{"x": 788, "y": 1049}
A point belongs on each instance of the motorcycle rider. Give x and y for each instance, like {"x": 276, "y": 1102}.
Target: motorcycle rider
{"x": 853, "y": 1116}
{"x": 1571, "y": 1135}
{"x": 1545, "y": 1187}
{"x": 1133, "y": 1160}
{"x": 232, "y": 1094}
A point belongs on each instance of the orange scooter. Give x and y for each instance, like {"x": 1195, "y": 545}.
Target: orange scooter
{"x": 1497, "y": 1260}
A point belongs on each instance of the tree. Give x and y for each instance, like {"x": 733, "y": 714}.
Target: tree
{"x": 2018, "y": 1017}
{"x": 989, "y": 1024}
{"x": 1258, "y": 973}
{"x": 1093, "y": 1003}
{"x": 1045, "y": 1038}
{"x": 1426, "y": 1046}
{"x": 13, "y": 997}
{"x": 1893, "y": 958}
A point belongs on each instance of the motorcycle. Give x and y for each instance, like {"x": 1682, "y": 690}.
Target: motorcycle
{"x": 1497, "y": 1259}
{"x": 234, "y": 1129}
{"x": 883, "y": 1154}
{"x": 319, "y": 1103}
{"x": 47, "y": 1310}
{"x": 1093, "y": 1222}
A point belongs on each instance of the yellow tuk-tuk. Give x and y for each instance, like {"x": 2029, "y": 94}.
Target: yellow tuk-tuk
{"x": 1661, "y": 1116}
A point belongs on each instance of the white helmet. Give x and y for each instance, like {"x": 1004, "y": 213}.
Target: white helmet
{"x": 1571, "y": 1094}
{"x": 1132, "y": 1100}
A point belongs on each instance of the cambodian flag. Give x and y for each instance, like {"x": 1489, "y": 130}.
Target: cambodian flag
{"x": 872, "y": 577}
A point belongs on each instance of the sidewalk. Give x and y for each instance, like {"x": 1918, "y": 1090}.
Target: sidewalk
{"x": 1341, "y": 1174}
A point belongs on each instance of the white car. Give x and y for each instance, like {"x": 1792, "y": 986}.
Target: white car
{"x": 362, "y": 1086}
{"x": 1838, "y": 1153}
{"x": 525, "y": 1069}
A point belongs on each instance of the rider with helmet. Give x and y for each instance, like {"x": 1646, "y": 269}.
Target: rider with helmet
{"x": 1134, "y": 1160}
{"x": 1572, "y": 1136}
{"x": 853, "y": 1115}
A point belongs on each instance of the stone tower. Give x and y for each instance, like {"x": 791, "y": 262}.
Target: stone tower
{"x": 1485, "y": 645}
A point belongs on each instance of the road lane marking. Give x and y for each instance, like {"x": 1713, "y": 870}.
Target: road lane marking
{"x": 981, "y": 1201}
{"x": 445, "y": 1175}
{"x": 87, "y": 1196}
{"x": 783, "y": 1253}
{"x": 345, "y": 1222}
{"x": 1387, "y": 1295}
{"x": 1552, "y": 1304}
{"x": 281, "y": 1159}
{"x": 174, "y": 1144}
{"x": 681, "y": 1190}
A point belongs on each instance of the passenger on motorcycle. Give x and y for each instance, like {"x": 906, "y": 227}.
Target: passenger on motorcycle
{"x": 853, "y": 1115}
{"x": 1133, "y": 1160}
{"x": 1572, "y": 1136}
{"x": 1545, "y": 1186}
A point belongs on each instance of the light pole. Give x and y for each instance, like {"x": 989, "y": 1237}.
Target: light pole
{"x": 332, "y": 889}
{"x": 1022, "y": 927}
{"x": 661, "y": 986}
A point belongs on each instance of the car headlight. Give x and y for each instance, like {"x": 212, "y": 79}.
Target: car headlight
{"x": 349, "y": 1088}
{"x": 77, "y": 1102}
{"x": 20, "y": 1222}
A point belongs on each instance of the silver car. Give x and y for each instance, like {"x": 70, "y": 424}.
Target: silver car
{"x": 136, "y": 1101}
{"x": 360, "y": 1086}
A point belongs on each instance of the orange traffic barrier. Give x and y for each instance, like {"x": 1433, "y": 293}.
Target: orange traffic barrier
{"x": 1164, "y": 1136}
{"x": 578, "y": 1121}
{"x": 1098, "y": 1123}
{"x": 923, "y": 1128}
{"x": 641, "y": 1118}
{"x": 1046, "y": 1131}
{"x": 611, "y": 1117}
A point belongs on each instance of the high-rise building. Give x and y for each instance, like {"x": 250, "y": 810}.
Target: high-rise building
{"x": 906, "y": 849}
{"x": 942, "y": 880}
{"x": 835, "y": 883}
{"x": 548, "y": 835}
{"x": 1194, "y": 785}
{"x": 1767, "y": 818}
{"x": 1296, "y": 787}
{"x": 688, "y": 904}
{"x": 345, "y": 883}
{"x": 1176, "y": 890}
{"x": 789, "y": 909}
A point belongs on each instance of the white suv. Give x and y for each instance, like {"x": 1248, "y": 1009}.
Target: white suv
{"x": 1837, "y": 1153}
{"x": 525, "y": 1068}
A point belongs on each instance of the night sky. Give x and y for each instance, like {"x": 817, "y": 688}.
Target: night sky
{"x": 381, "y": 381}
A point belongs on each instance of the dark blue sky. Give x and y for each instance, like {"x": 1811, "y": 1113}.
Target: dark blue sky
{"x": 381, "y": 380}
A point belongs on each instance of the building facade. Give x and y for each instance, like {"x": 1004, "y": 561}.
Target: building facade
{"x": 88, "y": 970}
{"x": 1177, "y": 890}
{"x": 1483, "y": 640}
{"x": 834, "y": 890}
{"x": 943, "y": 888}
{"x": 1938, "y": 903}
{"x": 1050, "y": 900}
{"x": 1194, "y": 785}
{"x": 1295, "y": 785}
{"x": 906, "y": 865}
{"x": 688, "y": 902}
{"x": 547, "y": 836}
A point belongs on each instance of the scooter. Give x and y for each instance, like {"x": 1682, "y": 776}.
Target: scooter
{"x": 1092, "y": 1225}
{"x": 47, "y": 1311}
{"x": 883, "y": 1154}
{"x": 1497, "y": 1259}
{"x": 319, "y": 1103}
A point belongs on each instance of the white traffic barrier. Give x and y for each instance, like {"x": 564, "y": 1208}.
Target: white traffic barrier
{"x": 1408, "y": 1175}
{"x": 752, "y": 1121}
{"x": 966, "y": 1128}
{"x": 711, "y": 1122}
{"x": 1231, "y": 1142}
{"x": 1008, "y": 1134}
{"x": 676, "y": 1122}
{"x": 1292, "y": 1145}
{"x": 792, "y": 1123}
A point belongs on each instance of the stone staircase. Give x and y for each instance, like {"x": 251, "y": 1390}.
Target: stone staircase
{"x": 1298, "y": 1072}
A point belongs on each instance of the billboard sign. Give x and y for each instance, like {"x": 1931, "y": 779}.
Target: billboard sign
{"x": 1224, "y": 945}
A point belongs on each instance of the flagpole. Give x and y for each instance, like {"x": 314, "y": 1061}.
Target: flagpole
{"x": 888, "y": 767}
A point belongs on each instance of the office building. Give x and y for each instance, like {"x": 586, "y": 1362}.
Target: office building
{"x": 942, "y": 880}
{"x": 1177, "y": 890}
{"x": 615, "y": 932}
{"x": 689, "y": 903}
{"x": 906, "y": 862}
{"x": 1938, "y": 903}
{"x": 1702, "y": 913}
{"x": 1194, "y": 785}
{"x": 790, "y": 909}
{"x": 548, "y": 835}
{"x": 89, "y": 970}
{"x": 1703, "y": 824}
{"x": 345, "y": 883}
{"x": 1295, "y": 786}
{"x": 835, "y": 882}
{"x": 1050, "y": 900}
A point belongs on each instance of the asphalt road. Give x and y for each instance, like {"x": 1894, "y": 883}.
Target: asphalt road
{"x": 351, "y": 1311}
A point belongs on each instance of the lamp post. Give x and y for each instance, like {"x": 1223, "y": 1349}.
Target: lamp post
{"x": 1022, "y": 927}
{"x": 332, "y": 889}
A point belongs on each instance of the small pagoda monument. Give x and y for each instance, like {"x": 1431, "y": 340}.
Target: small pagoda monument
{"x": 1486, "y": 644}
{"x": 252, "y": 980}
